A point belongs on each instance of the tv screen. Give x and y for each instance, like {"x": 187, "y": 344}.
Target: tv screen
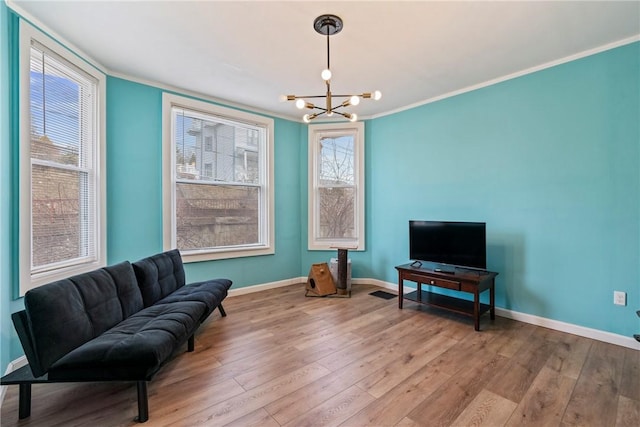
{"x": 454, "y": 243}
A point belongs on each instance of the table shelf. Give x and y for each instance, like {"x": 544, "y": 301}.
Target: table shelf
{"x": 457, "y": 305}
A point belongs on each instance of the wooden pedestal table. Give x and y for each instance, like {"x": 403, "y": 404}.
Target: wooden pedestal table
{"x": 459, "y": 279}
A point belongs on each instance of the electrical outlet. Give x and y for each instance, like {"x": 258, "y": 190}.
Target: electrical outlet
{"x": 619, "y": 298}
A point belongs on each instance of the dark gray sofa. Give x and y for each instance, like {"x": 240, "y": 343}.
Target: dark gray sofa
{"x": 117, "y": 323}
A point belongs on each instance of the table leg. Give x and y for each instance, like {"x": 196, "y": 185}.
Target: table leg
{"x": 476, "y": 310}
{"x": 492, "y": 300}
{"x": 419, "y": 291}
{"x": 400, "y": 290}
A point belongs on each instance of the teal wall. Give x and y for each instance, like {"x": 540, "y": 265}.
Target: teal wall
{"x": 134, "y": 190}
{"x": 10, "y": 349}
{"x": 134, "y": 187}
{"x": 549, "y": 160}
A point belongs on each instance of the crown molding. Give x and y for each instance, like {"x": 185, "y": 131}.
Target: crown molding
{"x": 73, "y": 49}
{"x": 515, "y": 75}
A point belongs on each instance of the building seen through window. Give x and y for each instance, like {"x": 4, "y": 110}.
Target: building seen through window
{"x": 218, "y": 182}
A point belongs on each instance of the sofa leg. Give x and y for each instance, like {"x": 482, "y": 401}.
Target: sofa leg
{"x": 222, "y": 313}
{"x": 191, "y": 343}
{"x": 143, "y": 402}
{"x": 24, "y": 405}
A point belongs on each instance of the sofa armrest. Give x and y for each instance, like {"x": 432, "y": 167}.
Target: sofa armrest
{"x": 21, "y": 323}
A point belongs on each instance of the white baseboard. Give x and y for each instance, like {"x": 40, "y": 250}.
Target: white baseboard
{"x": 570, "y": 328}
{"x": 303, "y": 279}
{"x": 265, "y": 286}
{"x": 557, "y": 325}
{"x": 13, "y": 365}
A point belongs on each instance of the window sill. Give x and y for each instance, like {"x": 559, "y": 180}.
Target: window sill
{"x": 199, "y": 256}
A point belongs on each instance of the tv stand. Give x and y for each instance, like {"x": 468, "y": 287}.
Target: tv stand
{"x": 470, "y": 281}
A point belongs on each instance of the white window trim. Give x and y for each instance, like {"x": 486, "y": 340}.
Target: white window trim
{"x": 29, "y": 280}
{"x": 316, "y": 132}
{"x": 168, "y": 180}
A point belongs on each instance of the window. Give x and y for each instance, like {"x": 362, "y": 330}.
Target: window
{"x": 336, "y": 186}
{"x": 62, "y": 180}
{"x": 217, "y": 185}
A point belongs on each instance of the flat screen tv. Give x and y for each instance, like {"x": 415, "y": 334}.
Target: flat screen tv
{"x": 460, "y": 244}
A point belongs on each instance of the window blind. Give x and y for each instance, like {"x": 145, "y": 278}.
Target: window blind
{"x": 63, "y": 128}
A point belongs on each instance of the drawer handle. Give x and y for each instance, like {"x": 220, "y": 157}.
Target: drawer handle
{"x": 433, "y": 282}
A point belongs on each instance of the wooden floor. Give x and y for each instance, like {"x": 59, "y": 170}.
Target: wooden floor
{"x": 280, "y": 359}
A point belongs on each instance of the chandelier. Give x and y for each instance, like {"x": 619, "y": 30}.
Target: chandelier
{"x": 329, "y": 25}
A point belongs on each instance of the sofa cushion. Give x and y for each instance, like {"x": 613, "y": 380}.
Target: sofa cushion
{"x": 85, "y": 306}
{"x": 210, "y": 292}
{"x": 134, "y": 349}
{"x": 159, "y": 275}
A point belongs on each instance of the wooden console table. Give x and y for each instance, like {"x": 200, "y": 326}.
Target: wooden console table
{"x": 460, "y": 279}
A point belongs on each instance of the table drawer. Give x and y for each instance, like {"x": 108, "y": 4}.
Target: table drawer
{"x": 441, "y": 283}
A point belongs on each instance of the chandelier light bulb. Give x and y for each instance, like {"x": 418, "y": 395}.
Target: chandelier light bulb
{"x": 354, "y": 100}
{"x": 377, "y": 95}
{"x": 305, "y": 118}
{"x": 283, "y": 98}
{"x": 353, "y": 118}
{"x": 326, "y": 74}
{"x": 329, "y": 113}
{"x": 300, "y": 103}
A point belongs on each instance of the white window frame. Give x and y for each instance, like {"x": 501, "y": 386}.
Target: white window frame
{"x": 267, "y": 245}
{"x": 29, "y": 278}
{"x": 316, "y": 133}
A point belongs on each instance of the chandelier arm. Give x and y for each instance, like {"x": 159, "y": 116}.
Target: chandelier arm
{"x": 322, "y": 96}
{"x": 324, "y": 110}
{"x": 313, "y": 116}
{"x": 307, "y": 96}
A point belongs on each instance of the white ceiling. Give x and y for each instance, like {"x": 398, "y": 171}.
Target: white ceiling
{"x": 250, "y": 52}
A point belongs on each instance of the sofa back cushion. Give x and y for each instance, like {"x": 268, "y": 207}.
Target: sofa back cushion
{"x": 159, "y": 275}
{"x": 65, "y": 314}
